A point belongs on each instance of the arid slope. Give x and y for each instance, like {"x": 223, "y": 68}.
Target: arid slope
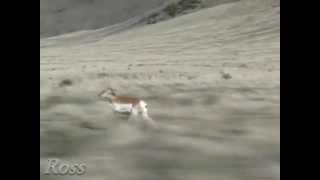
{"x": 212, "y": 82}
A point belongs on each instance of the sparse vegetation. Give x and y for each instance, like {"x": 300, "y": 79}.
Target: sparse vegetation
{"x": 225, "y": 76}
{"x": 172, "y": 9}
{"x": 152, "y": 19}
{"x": 189, "y": 4}
{"x": 102, "y": 75}
{"x": 66, "y": 82}
{"x": 243, "y": 66}
{"x": 183, "y": 6}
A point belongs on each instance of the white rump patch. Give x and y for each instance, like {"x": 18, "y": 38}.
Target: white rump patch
{"x": 143, "y": 106}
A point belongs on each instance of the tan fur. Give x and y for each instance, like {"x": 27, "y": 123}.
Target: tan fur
{"x": 126, "y": 100}
{"x": 132, "y": 106}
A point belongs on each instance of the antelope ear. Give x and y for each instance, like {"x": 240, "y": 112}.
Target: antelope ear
{"x": 112, "y": 91}
{"x": 101, "y": 93}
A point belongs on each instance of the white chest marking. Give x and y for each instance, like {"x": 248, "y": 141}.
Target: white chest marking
{"x": 122, "y": 108}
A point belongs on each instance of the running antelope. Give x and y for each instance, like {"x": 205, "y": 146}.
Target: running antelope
{"x": 131, "y": 106}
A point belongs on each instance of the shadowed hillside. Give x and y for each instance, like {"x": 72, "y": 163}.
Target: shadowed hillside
{"x": 63, "y": 16}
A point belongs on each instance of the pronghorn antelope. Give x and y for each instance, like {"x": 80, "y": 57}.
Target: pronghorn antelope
{"x": 131, "y": 106}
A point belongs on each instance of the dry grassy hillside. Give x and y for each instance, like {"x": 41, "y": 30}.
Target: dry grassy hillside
{"x": 212, "y": 82}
